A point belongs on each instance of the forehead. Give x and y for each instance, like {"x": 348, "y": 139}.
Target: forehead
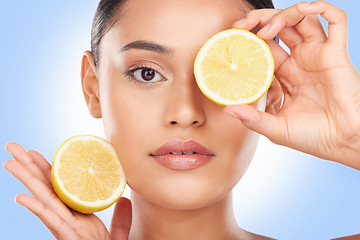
{"x": 169, "y": 20}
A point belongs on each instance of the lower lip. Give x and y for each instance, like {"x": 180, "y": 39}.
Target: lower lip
{"x": 182, "y": 162}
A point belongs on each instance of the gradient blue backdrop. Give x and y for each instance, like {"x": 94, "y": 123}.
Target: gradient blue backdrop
{"x": 284, "y": 194}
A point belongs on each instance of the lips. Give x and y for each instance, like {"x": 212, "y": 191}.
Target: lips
{"x": 182, "y": 155}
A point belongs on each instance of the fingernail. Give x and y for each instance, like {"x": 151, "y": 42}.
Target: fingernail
{"x": 304, "y": 4}
{"x": 4, "y": 166}
{"x": 17, "y": 201}
{"x": 266, "y": 28}
{"x": 240, "y": 21}
{"x": 231, "y": 113}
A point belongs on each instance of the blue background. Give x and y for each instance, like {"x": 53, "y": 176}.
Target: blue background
{"x": 285, "y": 194}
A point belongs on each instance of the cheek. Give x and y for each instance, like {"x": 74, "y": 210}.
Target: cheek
{"x": 129, "y": 120}
{"x": 238, "y": 145}
{"x": 246, "y": 142}
{"x": 242, "y": 154}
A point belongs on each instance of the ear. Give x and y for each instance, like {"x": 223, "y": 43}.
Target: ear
{"x": 90, "y": 84}
{"x": 274, "y": 97}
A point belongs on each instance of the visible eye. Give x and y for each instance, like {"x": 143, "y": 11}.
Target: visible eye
{"x": 147, "y": 75}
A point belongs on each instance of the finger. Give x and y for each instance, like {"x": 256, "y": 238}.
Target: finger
{"x": 311, "y": 29}
{"x": 121, "y": 220}
{"x": 57, "y": 225}
{"x": 42, "y": 163}
{"x": 271, "y": 23}
{"x": 308, "y": 27}
{"x": 279, "y": 54}
{"x": 256, "y": 18}
{"x": 337, "y": 19}
{"x": 261, "y": 18}
{"x": 288, "y": 17}
{"x": 274, "y": 97}
{"x": 27, "y": 161}
{"x": 38, "y": 189}
{"x": 289, "y": 24}
{"x": 263, "y": 123}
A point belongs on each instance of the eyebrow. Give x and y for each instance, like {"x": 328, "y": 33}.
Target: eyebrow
{"x": 147, "y": 46}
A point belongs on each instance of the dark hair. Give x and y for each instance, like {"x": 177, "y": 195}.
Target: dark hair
{"x": 105, "y": 18}
{"x": 259, "y": 4}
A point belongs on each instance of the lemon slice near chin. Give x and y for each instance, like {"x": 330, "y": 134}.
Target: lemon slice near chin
{"x": 86, "y": 174}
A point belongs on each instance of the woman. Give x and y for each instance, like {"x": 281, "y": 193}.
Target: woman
{"x": 139, "y": 80}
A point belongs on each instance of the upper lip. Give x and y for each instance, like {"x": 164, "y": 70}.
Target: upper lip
{"x": 177, "y": 146}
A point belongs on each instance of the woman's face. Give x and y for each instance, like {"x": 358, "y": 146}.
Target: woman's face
{"x": 157, "y": 41}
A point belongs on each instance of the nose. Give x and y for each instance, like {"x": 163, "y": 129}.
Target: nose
{"x": 184, "y": 107}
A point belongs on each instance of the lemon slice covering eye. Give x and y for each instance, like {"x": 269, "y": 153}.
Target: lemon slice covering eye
{"x": 234, "y": 66}
{"x": 86, "y": 174}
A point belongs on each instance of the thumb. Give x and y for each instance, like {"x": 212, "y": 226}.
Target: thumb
{"x": 263, "y": 123}
{"x": 121, "y": 220}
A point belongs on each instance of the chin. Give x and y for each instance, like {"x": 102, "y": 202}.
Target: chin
{"x": 185, "y": 192}
{"x": 191, "y": 202}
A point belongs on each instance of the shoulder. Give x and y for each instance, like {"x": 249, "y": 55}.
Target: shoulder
{"x": 353, "y": 237}
{"x": 254, "y": 236}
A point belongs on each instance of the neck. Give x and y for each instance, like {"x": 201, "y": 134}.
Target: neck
{"x": 151, "y": 221}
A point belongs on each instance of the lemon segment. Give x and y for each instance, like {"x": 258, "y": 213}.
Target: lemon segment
{"x": 234, "y": 66}
{"x": 86, "y": 174}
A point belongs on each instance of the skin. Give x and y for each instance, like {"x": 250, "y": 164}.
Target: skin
{"x": 207, "y": 207}
{"x": 152, "y": 109}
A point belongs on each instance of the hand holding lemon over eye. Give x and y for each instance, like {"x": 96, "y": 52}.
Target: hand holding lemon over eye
{"x": 319, "y": 112}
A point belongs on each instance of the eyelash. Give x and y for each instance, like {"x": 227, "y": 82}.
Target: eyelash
{"x": 130, "y": 74}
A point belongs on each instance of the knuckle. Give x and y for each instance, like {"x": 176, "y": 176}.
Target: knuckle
{"x": 278, "y": 20}
{"x": 40, "y": 210}
{"x": 340, "y": 14}
{"x": 258, "y": 12}
{"x": 60, "y": 227}
{"x": 343, "y": 15}
{"x": 52, "y": 197}
{"x": 253, "y": 13}
{"x": 30, "y": 179}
